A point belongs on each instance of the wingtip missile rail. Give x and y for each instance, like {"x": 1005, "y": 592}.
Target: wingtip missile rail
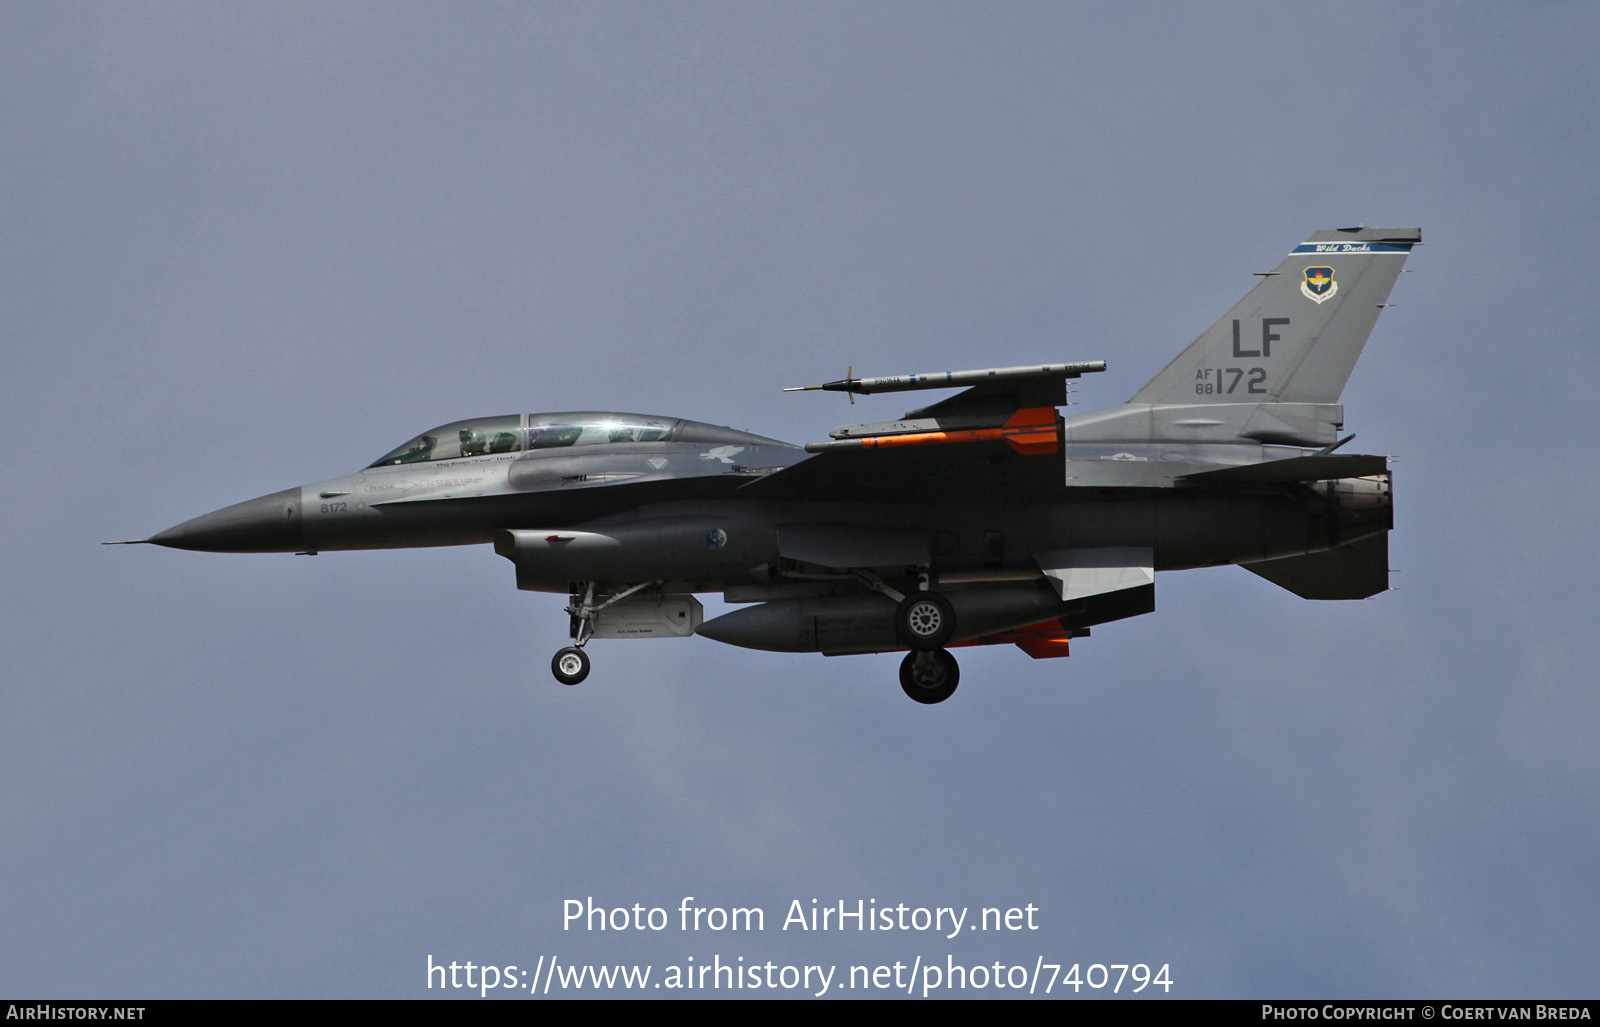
{"x": 953, "y": 379}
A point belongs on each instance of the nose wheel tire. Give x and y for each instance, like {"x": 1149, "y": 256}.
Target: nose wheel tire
{"x": 925, "y": 621}
{"x": 570, "y": 666}
{"x": 929, "y": 677}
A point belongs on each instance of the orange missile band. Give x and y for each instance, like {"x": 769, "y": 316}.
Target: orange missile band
{"x": 1031, "y": 432}
{"x": 1041, "y": 641}
{"x": 1045, "y": 648}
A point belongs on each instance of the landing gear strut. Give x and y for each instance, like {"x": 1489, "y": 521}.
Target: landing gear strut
{"x": 925, "y": 622}
{"x": 929, "y": 677}
{"x": 571, "y": 665}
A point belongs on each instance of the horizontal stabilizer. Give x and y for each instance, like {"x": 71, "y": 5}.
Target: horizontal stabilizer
{"x": 1355, "y": 571}
{"x": 1299, "y": 468}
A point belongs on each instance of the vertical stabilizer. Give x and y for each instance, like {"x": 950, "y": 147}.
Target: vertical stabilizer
{"x": 1295, "y": 337}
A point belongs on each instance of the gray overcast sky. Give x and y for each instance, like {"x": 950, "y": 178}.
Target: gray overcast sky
{"x": 247, "y": 246}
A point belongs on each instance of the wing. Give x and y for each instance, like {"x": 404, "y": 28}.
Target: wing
{"x": 925, "y": 460}
{"x": 999, "y": 440}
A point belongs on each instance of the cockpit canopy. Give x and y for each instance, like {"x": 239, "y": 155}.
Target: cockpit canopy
{"x": 516, "y": 433}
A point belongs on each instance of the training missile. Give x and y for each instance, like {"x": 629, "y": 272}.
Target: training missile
{"x": 1031, "y": 432}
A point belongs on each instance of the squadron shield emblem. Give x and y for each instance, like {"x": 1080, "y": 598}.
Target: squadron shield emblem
{"x": 1319, "y": 285}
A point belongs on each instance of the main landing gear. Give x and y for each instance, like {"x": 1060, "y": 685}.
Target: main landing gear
{"x": 924, "y": 622}
{"x": 929, "y": 676}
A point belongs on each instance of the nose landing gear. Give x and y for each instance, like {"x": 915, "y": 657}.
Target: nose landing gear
{"x": 570, "y": 666}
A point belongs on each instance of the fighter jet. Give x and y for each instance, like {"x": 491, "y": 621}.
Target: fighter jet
{"x": 985, "y": 518}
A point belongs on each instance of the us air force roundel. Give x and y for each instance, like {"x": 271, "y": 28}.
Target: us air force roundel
{"x": 1319, "y": 285}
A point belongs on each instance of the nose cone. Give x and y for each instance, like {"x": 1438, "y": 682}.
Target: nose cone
{"x": 270, "y": 524}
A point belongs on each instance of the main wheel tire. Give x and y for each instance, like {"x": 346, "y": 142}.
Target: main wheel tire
{"x": 924, "y": 621}
{"x": 930, "y": 677}
{"x": 570, "y": 666}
